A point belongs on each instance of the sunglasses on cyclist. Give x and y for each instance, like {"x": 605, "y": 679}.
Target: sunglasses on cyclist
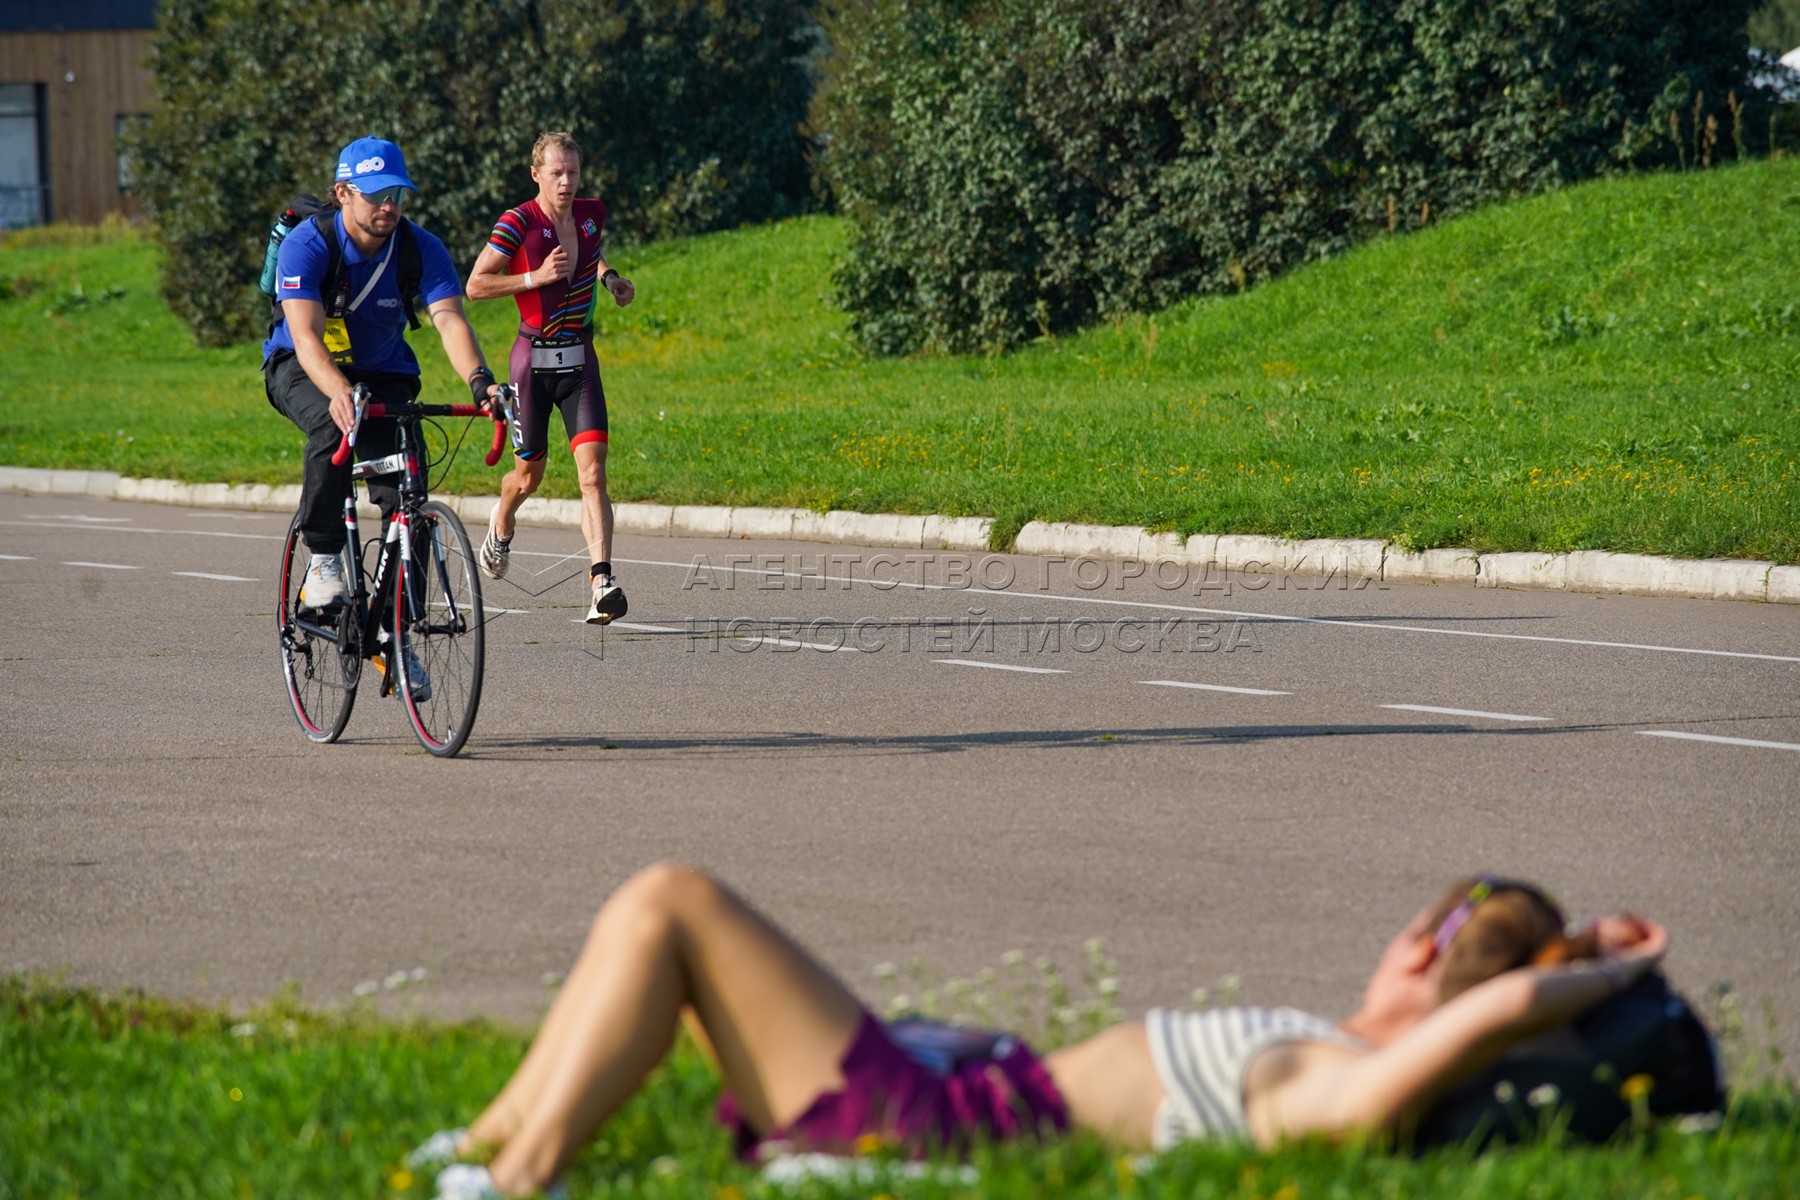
{"x": 396, "y": 196}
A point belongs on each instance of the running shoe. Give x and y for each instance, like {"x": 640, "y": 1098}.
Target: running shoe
{"x": 324, "y": 583}
{"x": 466, "y": 1181}
{"x": 495, "y": 550}
{"x": 416, "y": 678}
{"x": 435, "y": 1152}
{"x": 609, "y": 601}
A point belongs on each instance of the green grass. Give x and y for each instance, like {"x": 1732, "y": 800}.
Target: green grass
{"x": 1613, "y": 366}
{"x": 126, "y": 1096}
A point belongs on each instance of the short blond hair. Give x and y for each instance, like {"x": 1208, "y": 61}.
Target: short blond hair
{"x": 555, "y": 138}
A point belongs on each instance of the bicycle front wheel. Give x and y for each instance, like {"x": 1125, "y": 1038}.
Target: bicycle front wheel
{"x": 321, "y": 657}
{"x": 437, "y": 605}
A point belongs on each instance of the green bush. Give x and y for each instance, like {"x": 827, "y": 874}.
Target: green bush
{"x": 1019, "y": 167}
{"x": 690, "y": 113}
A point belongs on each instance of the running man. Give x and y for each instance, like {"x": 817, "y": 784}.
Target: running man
{"x": 546, "y": 255}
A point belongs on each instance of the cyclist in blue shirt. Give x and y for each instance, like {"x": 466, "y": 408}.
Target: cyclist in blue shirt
{"x": 324, "y": 345}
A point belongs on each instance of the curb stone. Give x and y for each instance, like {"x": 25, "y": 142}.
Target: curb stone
{"x": 1349, "y": 559}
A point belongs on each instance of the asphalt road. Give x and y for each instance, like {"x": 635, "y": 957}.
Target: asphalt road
{"x": 935, "y": 757}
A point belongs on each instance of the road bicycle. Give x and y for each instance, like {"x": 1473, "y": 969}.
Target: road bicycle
{"x": 421, "y": 593}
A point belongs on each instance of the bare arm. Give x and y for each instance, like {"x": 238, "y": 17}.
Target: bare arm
{"x": 1384, "y": 1089}
{"x": 458, "y": 337}
{"x": 490, "y": 278}
{"x": 306, "y": 324}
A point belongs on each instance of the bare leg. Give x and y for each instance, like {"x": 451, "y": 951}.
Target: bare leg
{"x": 778, "y": 1021}
{"x": 515, "y": 486}
{"x": 596, "y": 505}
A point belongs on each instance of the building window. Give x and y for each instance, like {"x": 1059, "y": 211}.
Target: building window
{"x": 24, "y": 198}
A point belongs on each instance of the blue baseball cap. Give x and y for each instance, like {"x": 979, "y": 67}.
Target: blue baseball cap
{"x": 370, "y": 164}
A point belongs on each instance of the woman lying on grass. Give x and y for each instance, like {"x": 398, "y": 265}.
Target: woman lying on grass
{"x": 810, "y": 1069}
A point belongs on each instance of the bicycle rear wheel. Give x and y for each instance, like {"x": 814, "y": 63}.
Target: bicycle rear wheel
{"x": 437, "y": 603}
{"x": 321, "y": 651}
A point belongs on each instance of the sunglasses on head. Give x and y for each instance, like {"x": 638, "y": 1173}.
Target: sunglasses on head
{"x": 396, "y": 196}
{"x": 1485, "y": 886}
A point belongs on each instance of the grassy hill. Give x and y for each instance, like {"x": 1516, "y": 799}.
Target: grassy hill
{"x": 1612, "y": 366}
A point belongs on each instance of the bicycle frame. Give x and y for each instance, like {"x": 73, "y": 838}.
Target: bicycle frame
{"x": 372, "y": 593}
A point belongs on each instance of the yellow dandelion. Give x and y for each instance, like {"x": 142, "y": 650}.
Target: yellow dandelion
{"x": 1286, "y": 1191}
{"x": 1123, "y": 1169}
{"x": 401, "y": 1180}
{"x": 869, "y": 1143}
{"x": 1636, "y": 1088}
{"x": 731, "y": 1192}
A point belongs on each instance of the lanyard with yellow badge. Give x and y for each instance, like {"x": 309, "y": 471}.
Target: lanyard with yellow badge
{"x": 337, "y": 337}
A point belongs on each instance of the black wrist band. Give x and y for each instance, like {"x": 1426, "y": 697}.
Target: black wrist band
{"x": 480, "y": 380}
{"x": 610, "y": 274}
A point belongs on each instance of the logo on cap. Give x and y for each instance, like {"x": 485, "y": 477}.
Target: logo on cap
{"x": 370, "y": 164}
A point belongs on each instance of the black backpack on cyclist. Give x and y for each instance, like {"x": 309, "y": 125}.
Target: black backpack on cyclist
{"x": 410, "y": 268}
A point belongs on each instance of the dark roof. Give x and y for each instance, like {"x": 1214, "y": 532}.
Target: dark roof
{"x": 72, "y": 15}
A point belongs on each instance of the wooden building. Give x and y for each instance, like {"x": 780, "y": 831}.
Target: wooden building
{"x": 72, "y": 75}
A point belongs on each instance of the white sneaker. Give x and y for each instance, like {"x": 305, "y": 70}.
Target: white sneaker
{"x": 324, "y": 582}
{"x": 495, "y": 550}
{"x": 609, "y": 601}
{"x": 466, "y": 1181}
{"x": 438, "y": 1150}
{"x": 416, "y": 677}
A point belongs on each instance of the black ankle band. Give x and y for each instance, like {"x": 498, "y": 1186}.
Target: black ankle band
{"x": 599, "y": 569}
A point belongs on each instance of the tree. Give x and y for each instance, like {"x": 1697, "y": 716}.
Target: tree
{"x": 690, "y": 113}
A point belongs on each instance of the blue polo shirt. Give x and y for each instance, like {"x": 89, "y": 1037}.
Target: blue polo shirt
{"x": 377, "y": 328}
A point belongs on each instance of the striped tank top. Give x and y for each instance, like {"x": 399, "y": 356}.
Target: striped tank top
{"x": 1200, "y": 1057}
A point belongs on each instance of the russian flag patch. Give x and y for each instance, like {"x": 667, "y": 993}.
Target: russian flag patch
{"x": 290, "y": 283}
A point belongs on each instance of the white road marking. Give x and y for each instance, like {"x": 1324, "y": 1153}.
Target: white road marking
{"x": 18, "y": 557}
{"x": 82, "y": 517}
{"x": 217, "y": 533}
{"x": 725, "y": 632}
{"x": 104, "y": 566}
{"x": 1464, "y": 712}
{"x": 890, "y": 584}
{"x": 220, "y": 578}
{"x": 993, "y": 666}
{"x": 1713, "y": 737}
{"x": 1213, "y": 687}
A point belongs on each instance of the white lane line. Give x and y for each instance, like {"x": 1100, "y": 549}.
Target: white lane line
{"x": 742, "y": 638}
{"x": 890, "y": 584}
{"x": 1463, "y": 712}
{"x": 220, "y": 578}
{"x": 1713, "y": 737}
{"x": 86, "y": 519}
{"x": 61, "y": 527}
{"x": 1213, "y": 687}
{"x": 104, "y": 566}
{"x": 18, "y": 557}
{"x": 970, "y": 662}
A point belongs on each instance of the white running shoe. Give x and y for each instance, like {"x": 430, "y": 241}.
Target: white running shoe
{"x": 495, "y": 550}
{"x": 436, "y": 1151}
{"x": 416, "y": 677}
{"x": 324, "y": 582}
{"x": 609, "y": 601}
{"x": 466, "y": 1181}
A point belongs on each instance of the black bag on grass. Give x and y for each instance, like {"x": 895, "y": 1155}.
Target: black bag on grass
{"x": 1583, "y": 1076}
